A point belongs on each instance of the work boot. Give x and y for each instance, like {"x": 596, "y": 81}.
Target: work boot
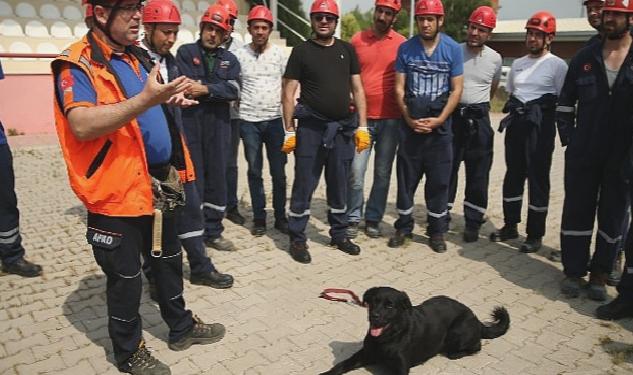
{"x": 597, "y": 288}
{"x": 234, "y": 215}
{"x": 200, "y": 333}
{"x": 214, "y": 279}
{"x": 398, "y": 239}
{"x": 531, "y": 245}
{"x": 220, "y": 243}
{"x": 372, "y": 229}
{"x": 259, "y": 227}
{"x": 619, "y": 308}
{"x": 471, "y": 234}
{"x": 22, "y": 267}
{"x": 282, "y": 225}
{"x": 346, "y": 246}
{"x": 616, "y": 273}
{"x": 143, "y": 363}
{"x": 555, "y": 256}
{"x": 299, "y": 252}
{"x": 437, "y": 243}
{"x": 352, "y": 230}
{"x": 571, "y": 286}
{"x": 508, "y": 232}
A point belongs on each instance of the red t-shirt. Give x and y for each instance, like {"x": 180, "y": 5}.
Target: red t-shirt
{"x": 377, "y": 60}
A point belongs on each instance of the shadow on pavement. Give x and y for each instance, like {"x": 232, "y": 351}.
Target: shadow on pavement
{"x": 85, "y": 308}
{"x": 344, "y": 350}
{"x": 79, "y": 211}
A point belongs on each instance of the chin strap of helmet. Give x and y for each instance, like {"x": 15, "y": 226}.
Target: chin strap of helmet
{"x": 106, "y": 28}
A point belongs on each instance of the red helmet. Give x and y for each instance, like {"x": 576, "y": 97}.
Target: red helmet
{"x": 623, "y": 6}
{"x": 260, "y": 13}
{"x": 542, "y": 21}
{"x": 217, "y": 15}
{"x": 230, "y": 6}
{"x": 393, "y": 4}
{"x": 324, "y": 6}
{"x": 484, "y": 16}
{"x": 429, "y": 8}
{"x": 161, "y": 11}
{"x": 89, "y": 12}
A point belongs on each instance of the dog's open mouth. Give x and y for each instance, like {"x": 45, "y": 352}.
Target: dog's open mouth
{"x": 377, "y": 331}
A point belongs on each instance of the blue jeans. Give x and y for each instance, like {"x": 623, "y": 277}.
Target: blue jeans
{"x": 254, "y": 136}
{"x": 384, "y": 135}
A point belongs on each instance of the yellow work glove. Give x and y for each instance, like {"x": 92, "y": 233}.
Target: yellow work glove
{"x": 290, "y": 142}
{"x": 362, "y": 139}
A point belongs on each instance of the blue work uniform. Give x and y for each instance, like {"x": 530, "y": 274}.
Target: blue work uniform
{"x": 208, "y": 126}
{"x": 594, "y": 121}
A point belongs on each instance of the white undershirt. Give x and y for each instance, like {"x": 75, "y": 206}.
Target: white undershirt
{"x": 530, "y": 78}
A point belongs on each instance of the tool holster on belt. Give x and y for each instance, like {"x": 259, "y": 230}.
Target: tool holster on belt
{"x": 470, "y": 114}
{"x": 169, "y": 196}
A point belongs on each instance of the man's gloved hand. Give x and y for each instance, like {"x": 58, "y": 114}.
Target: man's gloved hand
{"x": 362, "y": 139}
{"x": 290, "y": 142}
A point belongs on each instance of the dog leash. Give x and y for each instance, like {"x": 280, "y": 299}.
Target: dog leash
{"x": 327, "y": 294}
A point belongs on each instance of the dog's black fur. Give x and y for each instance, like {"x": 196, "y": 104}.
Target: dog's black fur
{"x": 401, "y": 336}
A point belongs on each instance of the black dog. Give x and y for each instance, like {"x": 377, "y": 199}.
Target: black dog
{"x": 402, "y": 336}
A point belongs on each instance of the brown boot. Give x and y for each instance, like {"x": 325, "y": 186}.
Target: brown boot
{"x": 597, "y": 288}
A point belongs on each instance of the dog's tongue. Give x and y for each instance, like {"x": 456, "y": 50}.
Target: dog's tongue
{"x": 376, "y": 331}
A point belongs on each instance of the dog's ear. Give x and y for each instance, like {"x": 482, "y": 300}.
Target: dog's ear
{"x": 403, "y": 301}
{"x": 369, "y": 295}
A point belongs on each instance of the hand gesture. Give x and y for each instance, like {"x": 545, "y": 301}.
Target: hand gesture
{"x": 196, "y": 89}
{"x": 157, "y": 93}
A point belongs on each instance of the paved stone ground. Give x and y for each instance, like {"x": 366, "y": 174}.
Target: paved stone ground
{"x": 275, "y": 322}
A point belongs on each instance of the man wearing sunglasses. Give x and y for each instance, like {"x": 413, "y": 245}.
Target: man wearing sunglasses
{"x": 534, "y": 83}
{"x": 121, "y": 146}
{"x": 473, "y": 140}
{"x": 328, "y": 71}
{"x": 429, "y": 83}
{"x": 594, "y": 121}
{"x": 376, "y": 48}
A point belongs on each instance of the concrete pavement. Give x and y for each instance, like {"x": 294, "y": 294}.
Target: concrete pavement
{"x": 275, "y": 323}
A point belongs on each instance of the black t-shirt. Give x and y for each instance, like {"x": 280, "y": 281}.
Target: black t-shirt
{"x": 324, "y": 74}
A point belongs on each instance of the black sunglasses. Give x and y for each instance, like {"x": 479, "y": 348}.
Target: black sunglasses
{"x": 326, "y": 17}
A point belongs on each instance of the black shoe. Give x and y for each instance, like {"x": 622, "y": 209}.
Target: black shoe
{"x": 508, "y": 232}
{"x": 571, "y": 286}
{"x": 372, "y": 229}
{"x": 23, "y": 268}
{"x": 346, "y": 246}
{"x": 214, "y": 279}
{"x": 234, "y": 215}
{"x": 531, "y": 245}
{"x": 352, "y": 230}
{"x": 220, "y": 243}
{"x": 437, "y": 243}
{"x": 299, "y": 252}
{"x": 282, "y": 225}
{"x": 471, "y": 235}
{"x": 616, "y": 273}
{"x": 200, "y": 333}
{"x": 143, "y": 363}
{"x": 399, "y": 238}
{"x": 619, "y": 308}
{"x": 555, "y": 256}
{"x": 259, "y": 227}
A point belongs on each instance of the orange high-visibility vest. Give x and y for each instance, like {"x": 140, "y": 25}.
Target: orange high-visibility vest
{"x": 109, "y": 174}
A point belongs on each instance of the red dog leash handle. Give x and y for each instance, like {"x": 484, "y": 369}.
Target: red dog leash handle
{"x": 326, "y": 294}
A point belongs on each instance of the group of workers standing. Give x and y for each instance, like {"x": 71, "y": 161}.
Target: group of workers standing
{"x": 150, "y": 141}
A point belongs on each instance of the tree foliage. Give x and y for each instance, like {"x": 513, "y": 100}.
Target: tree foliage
{"x": 457, "y": 13}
